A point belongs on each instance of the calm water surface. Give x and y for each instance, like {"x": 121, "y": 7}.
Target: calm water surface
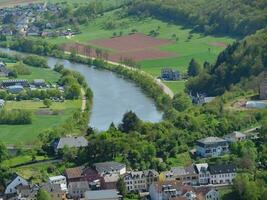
{"x": 113, "y": 95}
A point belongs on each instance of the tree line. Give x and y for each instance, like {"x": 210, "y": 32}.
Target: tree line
{"x": 232, "y": 17}
{"x": 242, "y": 60}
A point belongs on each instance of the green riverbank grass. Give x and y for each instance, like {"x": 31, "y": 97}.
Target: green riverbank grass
{"x": 27, "y": 134}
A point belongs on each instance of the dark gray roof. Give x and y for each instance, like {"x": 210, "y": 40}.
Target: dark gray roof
{"x": 105, "y": 167}
{"x": 210, "y": 140}
{"x": 101, "y": 195}
{"x": 222, "y": 169}
{"x": 75, "y": 141}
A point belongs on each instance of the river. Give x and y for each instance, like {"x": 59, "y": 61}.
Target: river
{"x": 113, "y": 95}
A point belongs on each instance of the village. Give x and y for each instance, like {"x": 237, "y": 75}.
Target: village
{"x": 104, "y": 180}
{"x": 23, "y": 21}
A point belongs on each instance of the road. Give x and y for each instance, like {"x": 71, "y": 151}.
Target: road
{"x": 83, "y": 100}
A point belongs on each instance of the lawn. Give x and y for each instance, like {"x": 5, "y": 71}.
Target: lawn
{"x": 182, "y": 159}
{"x": 38, "y": 73}
{"x": 27, "y": 134}
{"x": 176, "y": 86}
{"x": 21, "y": 159}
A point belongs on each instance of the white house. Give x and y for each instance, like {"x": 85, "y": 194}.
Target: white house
{"x": 59, "y": 180}
{"x": 203, "y": 173}
{"x": 140, "y": 180}
{"x": 207, "y": 193}
{"x": 222, "y": 174}
{"x": 15, "y": 181}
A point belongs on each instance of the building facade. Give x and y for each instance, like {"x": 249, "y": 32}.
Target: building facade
{"x": 140, "y": 180}
{"x": 211, "y": 147}
{"x": 222, "y": 174}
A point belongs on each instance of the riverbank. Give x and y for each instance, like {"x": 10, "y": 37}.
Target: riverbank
{"x": 157, "y": 81}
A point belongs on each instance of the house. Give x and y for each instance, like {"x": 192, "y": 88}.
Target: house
{"x": 203, "y": 173}
{"x": 200, "y": 99}
{"x": 110, "y": 168}
{"x": 2, "y": 103}
{"x": 27, "y": 192}
{"x": 39, "y": 83}
{"x": 140, "y": 180}
{"x": 263, "y": 87}
{"x": 61, "y": 180}
{"x": 77, "y": 189}
{"x": 12, "y": 82}
{"x": 169, "y": 74}
{"x": 222, "y": 173}
{"x": 102, "y": 195}
{"x": 171, "y": 190}
{"x": 70, "y": 142}
{"x": 109, "y": 181}
{"x": 13, "y": 183}
{"x": 4, "y": 72}
{"x": 174, "y": 190}
{"x": 15, "y": 89}
{"x": 55, "y": 191}
{"x": 235, "y": 137}
{"x": 207, "y": 193}
{"x": 33, "y": 31}
{"x": 211, "y": 147}
{"x": 80, "y": 180}
{"x": 185, "y": 175}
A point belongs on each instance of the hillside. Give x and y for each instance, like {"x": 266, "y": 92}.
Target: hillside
{"x": 241, "y": 60}
{"x": 232, "y": 17}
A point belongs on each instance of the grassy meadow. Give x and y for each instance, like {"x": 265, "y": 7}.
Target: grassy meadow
{"x": 27, "y": 134}
{"x": 200, "y": 47}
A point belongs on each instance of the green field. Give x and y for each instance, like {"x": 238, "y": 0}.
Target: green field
{"x": 48, "y": 75}
{"x": 199, "y": 47}
{"x": 27, "y": 134}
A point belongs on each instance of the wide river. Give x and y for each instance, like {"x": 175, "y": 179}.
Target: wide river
{"x": 113, "y": 95}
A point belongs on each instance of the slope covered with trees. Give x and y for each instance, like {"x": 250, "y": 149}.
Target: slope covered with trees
{"x": 234, "y": 17}
{"x": 242, "y": 60}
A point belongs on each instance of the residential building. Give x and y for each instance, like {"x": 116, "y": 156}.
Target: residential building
{"x": 169, "y": 74}
{"x": 170, "y": 190}
{"x": 102, "y": 195}
{"x": 235, "y": 137}
{"x": 222, "y": 174}
{"x": 15, "y": 89}
{"x": 12, "y": 82}
{"x": 140, "y": 180}
{"x": 39, "y": 83}
{"x": 174, "y": 190}
{"x": 203, "y": 173}
{"x": 110, "y": 168}
{"x": 211, "y": 147}
{"x": 109, "y": 181}
{"x": 11, "y": 185}
{"x": 61, "y": 180}
{"x": 28, "y": 192}
{"x": 207, "y": 193}
{"x": 77, "y": 189}
{"x": 185, "y": 175}
{"x": 55, "y": 191}
{"x": 71, "y": 142}
{"x": 80, "y": 180}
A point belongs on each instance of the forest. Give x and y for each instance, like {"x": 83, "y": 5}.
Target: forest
{"x": 242, "y": 60}
{"x": 232, "y": 17}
